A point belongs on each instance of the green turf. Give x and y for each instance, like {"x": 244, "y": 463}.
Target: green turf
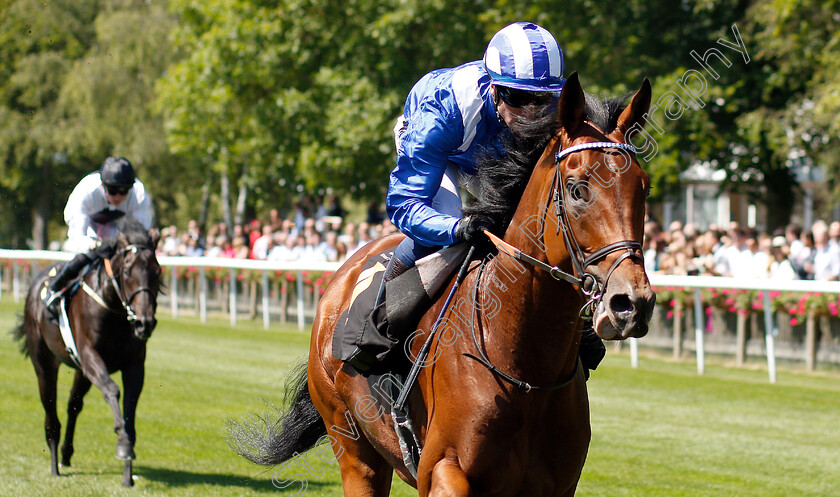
{"x": 660, "y": 430}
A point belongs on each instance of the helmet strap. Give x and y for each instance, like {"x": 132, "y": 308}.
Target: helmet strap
{"x": 496, "y": 99}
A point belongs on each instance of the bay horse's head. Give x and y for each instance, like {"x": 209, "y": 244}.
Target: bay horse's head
{"x": 598, "y": 197}
{"x": 137, "y": 273}
{"x": 584, "y": 206}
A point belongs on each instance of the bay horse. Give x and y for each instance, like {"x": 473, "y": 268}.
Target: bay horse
{"x": 501, "y": 405}
{"x": 110, "y": 331}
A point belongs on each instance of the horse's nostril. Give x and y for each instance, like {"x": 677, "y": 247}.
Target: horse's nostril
{"x": 620, "y": 303}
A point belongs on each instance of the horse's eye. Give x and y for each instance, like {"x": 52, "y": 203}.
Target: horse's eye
{"x": 578, "y": 191}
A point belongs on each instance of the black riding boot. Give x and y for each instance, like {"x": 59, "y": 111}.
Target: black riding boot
{"x": 365, "y": 355}
{"x": 66, "y": 274}
{"x": 592, "y": 349}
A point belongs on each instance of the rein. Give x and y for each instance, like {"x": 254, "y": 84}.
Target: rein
{"x": 485, "y": 361}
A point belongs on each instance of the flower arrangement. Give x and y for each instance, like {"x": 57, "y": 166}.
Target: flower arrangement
{"x": 796, "y": 304}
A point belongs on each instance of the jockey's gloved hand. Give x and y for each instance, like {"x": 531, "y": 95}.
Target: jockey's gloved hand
{"x": 105, "y": 248}
{"x": 471, "y": 230}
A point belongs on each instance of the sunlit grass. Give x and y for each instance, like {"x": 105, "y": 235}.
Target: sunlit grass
{"x": 660, "y": 430}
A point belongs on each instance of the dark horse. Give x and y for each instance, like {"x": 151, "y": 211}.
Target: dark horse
{"x": 501, "y": 408}
{"x": 110, "y": 336}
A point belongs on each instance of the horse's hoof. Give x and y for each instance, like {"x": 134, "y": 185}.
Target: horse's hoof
{"x": 128, "y": 483}
{"x": 125, "y": 453}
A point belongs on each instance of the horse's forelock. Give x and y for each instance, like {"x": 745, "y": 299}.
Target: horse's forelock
{"x": 603, "y": 112}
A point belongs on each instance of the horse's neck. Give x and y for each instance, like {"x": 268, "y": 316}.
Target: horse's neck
{"x": 104, "y": 287}
{"x": 528, "y": 317}
{"x": 537, "y": 323}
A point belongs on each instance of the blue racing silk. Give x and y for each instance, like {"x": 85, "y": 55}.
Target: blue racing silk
{"x": 448, "y": 120}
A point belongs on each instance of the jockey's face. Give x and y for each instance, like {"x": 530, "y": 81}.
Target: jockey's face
{"x": 512, "y": 110}
{"x": 116, "y": 196}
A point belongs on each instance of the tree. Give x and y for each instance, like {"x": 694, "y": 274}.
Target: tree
{"x": 304, "y": 93}
{"x": 106, "y": 95}
{"x": 74, "y": 85}
{"x": 38, "y": 42}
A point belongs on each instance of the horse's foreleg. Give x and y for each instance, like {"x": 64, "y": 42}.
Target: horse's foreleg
{"x": 97, "y": 373}
{"x": 132, "y": 386}
{"x": 46, "y": 367}
{"x": 127, "y": 481}
{"x": 81, "y": 385}
{"x": 446, "y": 480}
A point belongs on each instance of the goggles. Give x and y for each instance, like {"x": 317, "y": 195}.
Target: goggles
{"x": 520, "y": 98}
{"x": 117, "y": 190}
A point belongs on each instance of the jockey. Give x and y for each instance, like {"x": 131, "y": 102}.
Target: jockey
{"x": 94, "y": 206}
{"x": 452, "y": 116}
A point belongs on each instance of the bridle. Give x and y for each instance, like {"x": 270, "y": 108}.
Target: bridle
{"x": 131, "y": 316}
{"x": 588, "y": 284}
{"x": 590, "y": 287}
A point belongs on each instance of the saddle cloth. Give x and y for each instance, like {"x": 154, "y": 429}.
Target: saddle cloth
{"x": 407, "y": 298}
{"x": 56, "y": 314}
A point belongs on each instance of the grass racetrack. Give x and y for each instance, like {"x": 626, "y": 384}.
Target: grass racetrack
{"x": 659, "y": 430}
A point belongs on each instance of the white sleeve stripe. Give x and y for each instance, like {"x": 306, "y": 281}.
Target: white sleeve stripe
{"x": 468, "y": 98}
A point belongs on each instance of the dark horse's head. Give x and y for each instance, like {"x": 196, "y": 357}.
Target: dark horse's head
{"x": 137, "y": 272}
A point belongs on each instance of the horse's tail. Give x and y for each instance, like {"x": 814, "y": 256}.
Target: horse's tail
{"x": 19, "y": 334}
{"x": 275, "y": 437}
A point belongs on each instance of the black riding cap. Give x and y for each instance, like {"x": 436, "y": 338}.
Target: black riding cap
{"x": 117, "y": 172}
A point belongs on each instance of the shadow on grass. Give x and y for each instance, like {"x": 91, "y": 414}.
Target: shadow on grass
{"x": 174, "y": 478}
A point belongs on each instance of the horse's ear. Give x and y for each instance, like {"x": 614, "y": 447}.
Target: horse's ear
{"x": 155, "y": 234}
{"x": 571, "y": 105}
{"x": 637, "y": 110}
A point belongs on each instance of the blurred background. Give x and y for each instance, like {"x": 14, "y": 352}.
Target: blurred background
{"x": 230, "y": 109}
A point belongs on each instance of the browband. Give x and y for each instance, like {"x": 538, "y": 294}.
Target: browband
{"x": 585, "y": 146}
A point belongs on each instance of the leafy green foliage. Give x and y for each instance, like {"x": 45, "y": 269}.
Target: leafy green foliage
{"x": 280, "y": 96}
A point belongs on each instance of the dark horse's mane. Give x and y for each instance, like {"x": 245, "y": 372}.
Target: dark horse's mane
{"x": 134, "y": 231}
{"x": 503, "y": 179}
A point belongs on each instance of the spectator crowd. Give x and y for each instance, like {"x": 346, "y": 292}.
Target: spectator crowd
{"x": 312, "y": 232}
{"x": 316, "y": 231}
{"x": 786, "y": 254}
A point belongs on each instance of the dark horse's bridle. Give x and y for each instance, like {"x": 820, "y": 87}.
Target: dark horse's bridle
{"x": 131, "y": 316}
{"x": 589, "y": 286}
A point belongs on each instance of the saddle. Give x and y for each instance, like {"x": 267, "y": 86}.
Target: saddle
{"x": 407, "y": 298}
{"x": 72, "y": 288}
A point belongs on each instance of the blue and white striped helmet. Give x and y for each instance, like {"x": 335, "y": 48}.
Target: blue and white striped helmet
{"x": 526, "y": 57}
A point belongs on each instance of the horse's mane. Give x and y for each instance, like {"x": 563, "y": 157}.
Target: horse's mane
{"x": 503, "y": 179}
{"x": 134, "y": 231}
